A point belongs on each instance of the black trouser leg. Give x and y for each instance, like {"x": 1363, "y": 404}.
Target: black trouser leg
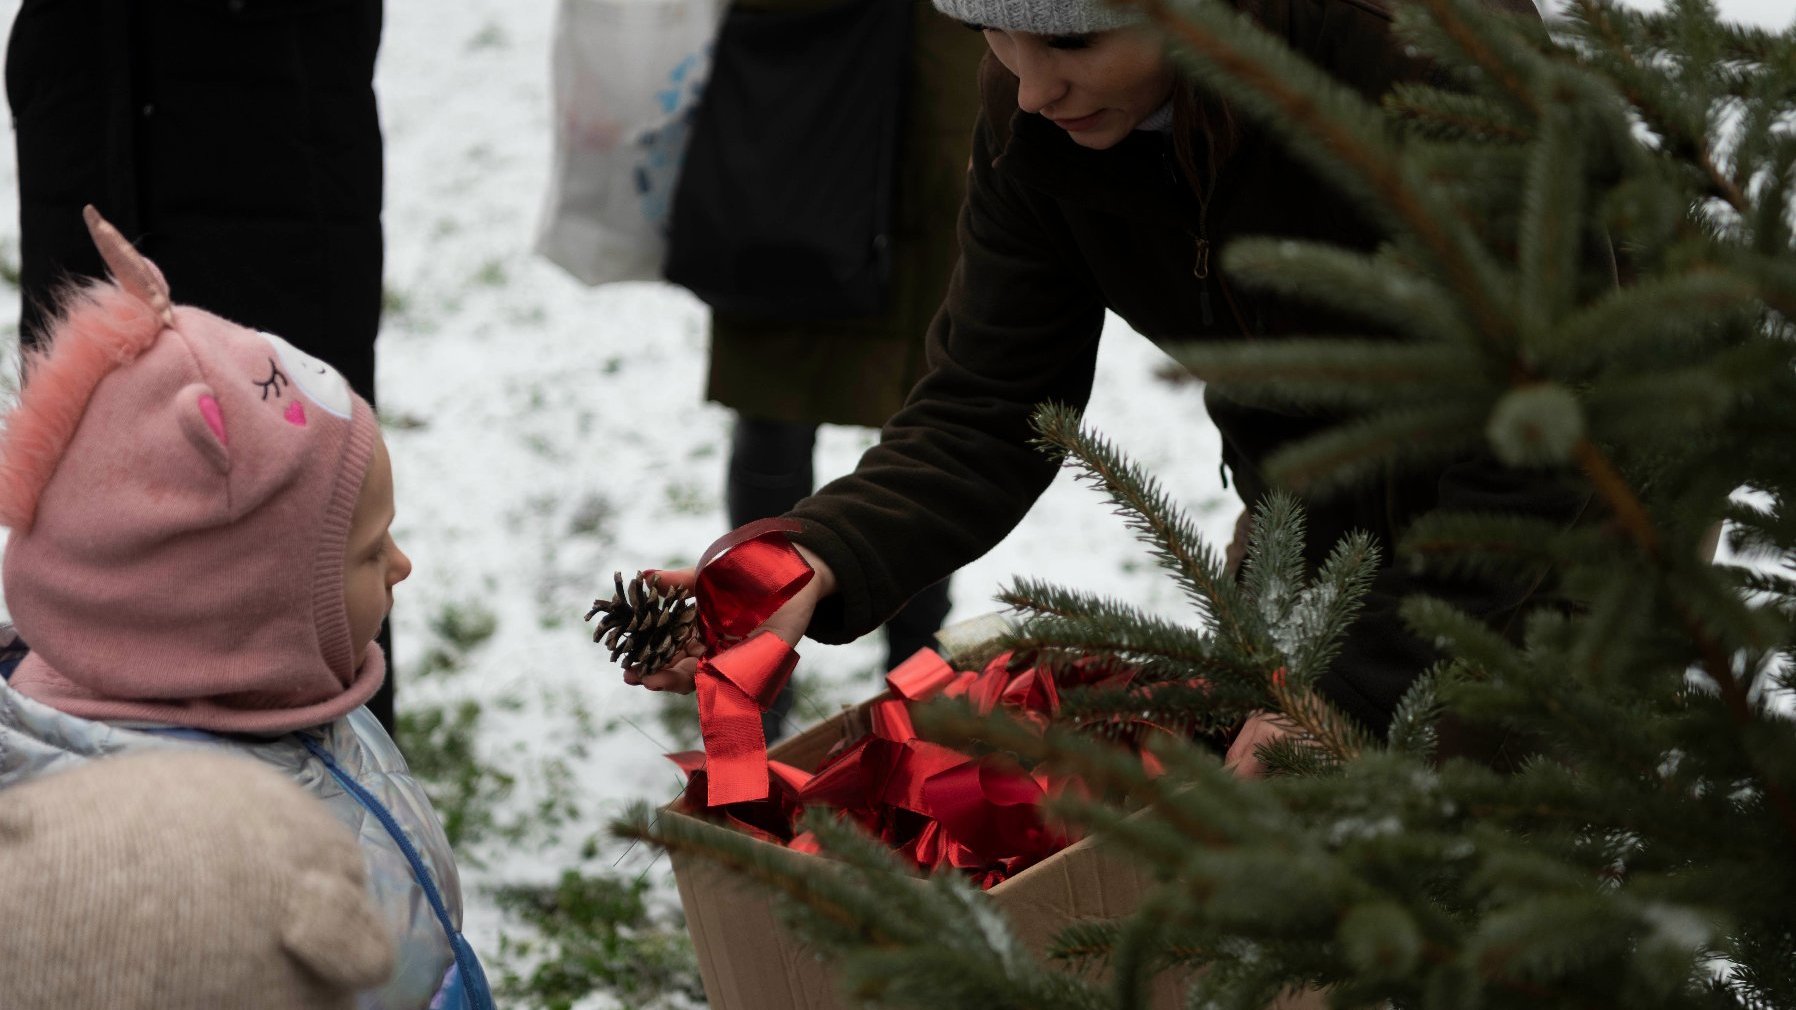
{"x": 769, "y": 468}
{"x": 769, "y": 472}
{"x": 914, "y": 627}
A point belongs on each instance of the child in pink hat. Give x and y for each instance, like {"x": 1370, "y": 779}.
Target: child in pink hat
{"x": 200, "y": 553}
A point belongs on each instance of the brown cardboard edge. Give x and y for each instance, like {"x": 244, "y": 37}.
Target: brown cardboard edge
{"x": 749, "y": 961}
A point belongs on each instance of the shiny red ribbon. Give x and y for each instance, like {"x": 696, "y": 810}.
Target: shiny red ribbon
{"x": 770, "y": 819}
{"x": 742, "y": 579}
{"x": 934, "y": 805}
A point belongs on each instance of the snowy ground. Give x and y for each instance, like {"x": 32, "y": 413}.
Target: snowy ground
{"x": 544, "y": 434}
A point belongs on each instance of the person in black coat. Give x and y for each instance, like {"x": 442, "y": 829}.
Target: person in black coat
{"x": 236, "y": 142}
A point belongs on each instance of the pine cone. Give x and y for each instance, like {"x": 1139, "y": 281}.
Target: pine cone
{"x": 646, "y": 623}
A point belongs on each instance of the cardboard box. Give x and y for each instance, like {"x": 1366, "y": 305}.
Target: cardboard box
{"x": 749, "y": 961}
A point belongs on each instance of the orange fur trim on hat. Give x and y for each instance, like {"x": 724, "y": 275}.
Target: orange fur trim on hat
{"x": 102, "y": 328}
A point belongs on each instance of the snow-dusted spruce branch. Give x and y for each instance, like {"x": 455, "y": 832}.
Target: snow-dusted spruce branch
{"x": 1321, "y": 725}
{"x": 1148, "y": 511}
{"x": 1247, "y": 620}
{"x": 1084, "y": 622}
{"x": 1338, "y": 132}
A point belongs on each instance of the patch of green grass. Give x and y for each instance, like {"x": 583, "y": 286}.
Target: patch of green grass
{"x": 403, "y": 422}
{"x": 592, "y": 517}
{"x": 688, "y": 498}
{"x": 439, "y": 746}
{"x": 466, "y": 626}
{"x": 489, "y": 37}
{"x": 457, "y": 629}
{"x": 594, "y": 935}
{"x": 492, "y": 274}
{"x": 677, "y": 715}
{"x": 394, "y": 303}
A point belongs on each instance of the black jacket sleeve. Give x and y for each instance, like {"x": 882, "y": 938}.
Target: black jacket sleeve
{"x": 953, "y": 471}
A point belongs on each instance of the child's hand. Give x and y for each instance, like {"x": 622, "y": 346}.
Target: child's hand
{"x": 788, "y": 622}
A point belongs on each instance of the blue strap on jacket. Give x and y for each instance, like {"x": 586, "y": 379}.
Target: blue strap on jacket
{"x": 12, "y": 650}
{"x": 470, "y": 978}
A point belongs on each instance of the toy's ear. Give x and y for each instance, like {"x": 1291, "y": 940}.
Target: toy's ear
{"x": 332, "y": 928}
{"x": 203, "y": 423}
{"x": 130, "y": 268}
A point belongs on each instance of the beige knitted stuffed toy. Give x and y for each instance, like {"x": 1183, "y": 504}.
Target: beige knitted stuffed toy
{"x": 180, "y": 880}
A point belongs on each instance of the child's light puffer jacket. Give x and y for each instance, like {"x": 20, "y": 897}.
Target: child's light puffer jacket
{"x": 36, "y": 739}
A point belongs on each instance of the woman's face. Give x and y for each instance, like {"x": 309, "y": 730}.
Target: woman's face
{"x": 1096, "y": 87}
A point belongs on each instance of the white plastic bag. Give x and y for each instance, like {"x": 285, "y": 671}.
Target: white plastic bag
{"x": 624, "y": 75}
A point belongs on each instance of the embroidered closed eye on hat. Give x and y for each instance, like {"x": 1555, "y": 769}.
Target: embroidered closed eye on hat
{"x": 1042, "y": 17}
{"x": 179, "y": 491}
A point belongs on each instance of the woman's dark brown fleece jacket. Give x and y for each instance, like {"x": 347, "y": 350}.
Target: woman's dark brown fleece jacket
{"x": 1051, "y": 235}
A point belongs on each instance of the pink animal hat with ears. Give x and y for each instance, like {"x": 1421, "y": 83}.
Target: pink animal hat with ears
{"x": 179, "y": 490}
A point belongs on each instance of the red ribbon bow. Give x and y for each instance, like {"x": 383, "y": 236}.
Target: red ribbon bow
{"x": 935, "y": 805}
{"x": 742, "y": 579}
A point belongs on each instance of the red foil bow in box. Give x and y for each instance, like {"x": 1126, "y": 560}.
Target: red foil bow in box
{"x": 742, "y": 579}
{"x": 937, "y": 806}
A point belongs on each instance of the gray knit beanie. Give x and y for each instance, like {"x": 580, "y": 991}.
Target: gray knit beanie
{"x": 181, "y": 879}
{"x": 1041, "y": 17}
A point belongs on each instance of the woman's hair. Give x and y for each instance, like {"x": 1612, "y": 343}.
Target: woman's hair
{"x": 1201, "y": 118}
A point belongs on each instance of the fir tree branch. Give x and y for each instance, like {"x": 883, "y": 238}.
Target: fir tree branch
{"x": 1346, "y": 453}
{"x": 1550, "y": 237}
{"x": 1321, "y": 724}
{"x": 1633, "y": 518}
{"x": 1613, "y": 489}
{"x": 1694, "y": 144}
{"x": 1332, "y": 371}
{"x": 1328, "y": 607}
{"x": 1660, "y": 310}
{"x": 1454, "y": 113}
{"x": 1378, "y": 288}
{"x": 1343, "y": 128}
{"x": 778, "y": 869}
{"x": 1156, "y": 521}
{"x": 1068, "y": 619}
{"x": 1482, "y": 53}
{"x": 1716, "y": 664}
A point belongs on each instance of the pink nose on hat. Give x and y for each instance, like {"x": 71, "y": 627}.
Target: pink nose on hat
{"x": 179, "y": 489}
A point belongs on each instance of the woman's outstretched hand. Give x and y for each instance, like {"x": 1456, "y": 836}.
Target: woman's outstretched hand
{"x": 788, "y": 622}
{"x": 1262, "y": 728}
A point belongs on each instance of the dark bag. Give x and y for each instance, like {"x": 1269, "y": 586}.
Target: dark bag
{"x": 784, "y": 204}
